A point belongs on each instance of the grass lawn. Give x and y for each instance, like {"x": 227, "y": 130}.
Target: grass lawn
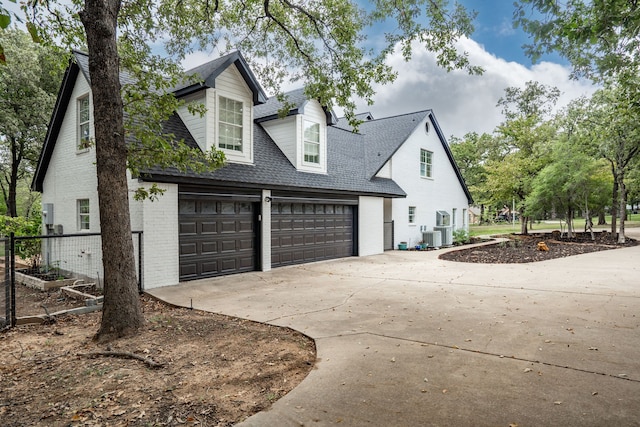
{"x": 505, "y": 228}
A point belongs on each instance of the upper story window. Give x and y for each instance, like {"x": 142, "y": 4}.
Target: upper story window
{"x": 83, "y": 214}
{"x": 426, "y": 164}
{"x": 230, "y": 124}
{"x": 412, "y": 214}
{"x": 84, "y": 117}
{"x": 311, "y": 142}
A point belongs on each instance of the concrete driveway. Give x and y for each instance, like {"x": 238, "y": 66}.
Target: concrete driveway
{"x": 406, "y": 339}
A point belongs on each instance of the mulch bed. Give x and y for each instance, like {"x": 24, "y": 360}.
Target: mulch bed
{"x": 523, "y": 249}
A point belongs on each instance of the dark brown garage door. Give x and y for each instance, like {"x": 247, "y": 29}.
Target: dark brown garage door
{"x": 305, "y": 232}
{"x": 217, "y": 237}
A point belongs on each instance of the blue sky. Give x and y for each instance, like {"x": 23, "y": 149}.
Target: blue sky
{"x": 494, "y": 30}
{"x": 464, "y": 103}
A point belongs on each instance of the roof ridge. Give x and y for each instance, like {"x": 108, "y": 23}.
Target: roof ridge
{"x": 428, "y": 110}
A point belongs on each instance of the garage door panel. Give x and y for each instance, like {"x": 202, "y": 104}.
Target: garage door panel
{"x": 188, "y": 248}
{"x": 216, "y": 237}
{"x": 228, "y": 245}
{"x": 209, "y": 248}
{"x": 207, "y": 227}
{"x": 188, "y": 228}
{"x": 246, "y": 244}
{"x": 228, "y": 226}
{"x": 188, "y": 270}
{"x": 245, "y": 226}
{"x": 208, "y": 268}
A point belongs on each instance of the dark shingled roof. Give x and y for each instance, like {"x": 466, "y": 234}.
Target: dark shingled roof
{"x": 82, "y": 59}
{"x": 271, "y": 168}
{"x": 384, "y": 136}
{"x": 206, "y": 74}
{"x": 298, "y": 99}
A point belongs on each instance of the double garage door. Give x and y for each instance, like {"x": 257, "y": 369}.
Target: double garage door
{"x": 220, "y": 236}
{"x": 306, "y": 232}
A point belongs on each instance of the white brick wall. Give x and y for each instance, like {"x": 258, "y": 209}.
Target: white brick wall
{"x": 441, "y": 192}
{"x": 370, "y": 225}
{"x": 72, "y": 175}
{"x": 160, "y": 219}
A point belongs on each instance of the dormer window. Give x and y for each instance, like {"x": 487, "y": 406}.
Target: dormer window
{"x": 230, "y": 124}
{"x": 311, "y": 142}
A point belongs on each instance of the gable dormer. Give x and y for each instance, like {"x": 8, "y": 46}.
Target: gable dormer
{"x": 228, "y": 90}
{"x": 302, "y": 134}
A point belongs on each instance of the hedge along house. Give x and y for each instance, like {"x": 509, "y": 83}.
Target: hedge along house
{"x": 294, "y": 190}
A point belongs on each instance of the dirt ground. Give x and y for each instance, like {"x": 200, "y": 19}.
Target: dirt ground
{"x": 522, "y": 249}
{"x": 215, "y": 370}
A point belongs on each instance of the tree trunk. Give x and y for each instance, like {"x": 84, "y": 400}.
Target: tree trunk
{"x": 12, "y": 209}
{"x": 570, "y": 223}
{"x": 524, "y": 220}
{"x": 602, "y": 219}
{"x": 623, "y": 207}
{"x": 121, "y": 313}
{"x": 614, "y": 204}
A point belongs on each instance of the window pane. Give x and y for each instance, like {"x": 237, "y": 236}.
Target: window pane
{"x": 311, "y": 131}
{"x": 83, "y": 214}
{"x": 230, "y": 124}
{"x": 412, "y": 214}
{"x": 425, "y": 163}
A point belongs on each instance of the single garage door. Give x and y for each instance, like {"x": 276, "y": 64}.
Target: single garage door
{"x": 216, "y": 237}
{"x": 305, "y": 232}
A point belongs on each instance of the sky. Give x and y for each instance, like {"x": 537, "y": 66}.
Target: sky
{"x": 463, "y": 103}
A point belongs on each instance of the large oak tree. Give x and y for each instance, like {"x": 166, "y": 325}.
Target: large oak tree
{"x": 321, "y": 43}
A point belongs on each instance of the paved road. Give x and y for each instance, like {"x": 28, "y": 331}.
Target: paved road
{"x": 406, "y": 339}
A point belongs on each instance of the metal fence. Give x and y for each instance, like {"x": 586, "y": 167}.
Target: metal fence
{"x": 62, "y": 258}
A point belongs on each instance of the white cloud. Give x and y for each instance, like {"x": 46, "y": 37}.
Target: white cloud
{"x": 506, "y": 28}
{"x": 464, "y": 103}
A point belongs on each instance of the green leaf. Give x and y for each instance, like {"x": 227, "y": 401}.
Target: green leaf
{"x": 5, "y": 20}
{"x": 33, "y": 30}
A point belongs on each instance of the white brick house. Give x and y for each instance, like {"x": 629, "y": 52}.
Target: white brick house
{"x": 298, "y": 189}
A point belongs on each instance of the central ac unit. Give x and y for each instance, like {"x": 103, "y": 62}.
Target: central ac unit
{"x": 433, "y": 239}
{"x": 447, "y": 235}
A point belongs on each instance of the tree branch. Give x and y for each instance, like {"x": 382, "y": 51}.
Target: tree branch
{"x": 124, "y": 355}
{"x": 285, "y": 29}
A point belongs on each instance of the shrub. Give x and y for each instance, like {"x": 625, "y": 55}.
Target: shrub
{"x": 460, "y": 236}
{"x": 28, "y": 250}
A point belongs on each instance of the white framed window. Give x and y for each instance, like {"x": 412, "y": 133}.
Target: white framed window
{"x": 412, "y": 214}
{"x": 453, "y": 217}
{"x": 465, "y": 218}
{"x": 84, "y": 124}
{"x": 83, "y": 214}
{"x": 230, "y": 124}
{"x": 311, "y": 142}
{"x": 426, "y": 164}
